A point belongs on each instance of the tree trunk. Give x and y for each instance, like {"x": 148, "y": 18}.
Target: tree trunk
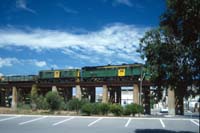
{"x": 179, "y": 106}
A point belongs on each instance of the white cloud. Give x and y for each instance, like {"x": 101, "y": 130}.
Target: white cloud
{"x": 117, "y": 42}
{"x": 67, "y": 9}
{"x": 22, "y": 4}
{"x": 1, "y": 74}
{"x": 124, "y": 2}
{"x": 40, "y": 63}
{"x": 8, "y": 61}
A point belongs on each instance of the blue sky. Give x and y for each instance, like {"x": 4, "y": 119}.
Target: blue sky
{"x": 44, "y": 34}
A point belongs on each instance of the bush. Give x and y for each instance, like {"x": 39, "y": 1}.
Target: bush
{"x": 42, "y": 103}
{"x": 140, "y": 109}
{"x": 96, "y": 108}
{"x": 116, "y": 109}
{"x": 87, "y": 108}
{"x": 54, "y": 100}
{"x": 21, "y": 105}
{"x": 104, "y": 108}
{"x": 131, "y": 109}
{"x": 74, "y": 104}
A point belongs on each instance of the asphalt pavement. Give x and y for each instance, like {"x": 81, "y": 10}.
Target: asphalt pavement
{"x": 86, "y": 124}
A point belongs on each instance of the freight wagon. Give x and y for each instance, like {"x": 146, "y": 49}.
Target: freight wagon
{"x": 19, "y": 78}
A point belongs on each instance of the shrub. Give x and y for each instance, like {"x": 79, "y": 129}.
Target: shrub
{"x": 131, "y": 109}
{"x": 42, "y": 103}
{"x": 96, "y": 108}
{"x": 74, "y": 104}
{"x": 54, "y": 100}
{"x": 87, "y": 108}
{"x": 116, "y": 109}
{"x": 104, "y": 108}
{"x": 21, "y": 105}
{"x": 140, "y": 109}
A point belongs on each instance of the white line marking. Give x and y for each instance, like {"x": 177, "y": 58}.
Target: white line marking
{"x": 63, "y": 121}
{"x": 127, "y": 123}
{"x": 9, "y": 118}
{"x": 197, "y": 120}
{"x": 162, "y": 123}
{"x": 194, "y": 122}
{"x": 94, "y": 122}
{"x": 22, "y": 123}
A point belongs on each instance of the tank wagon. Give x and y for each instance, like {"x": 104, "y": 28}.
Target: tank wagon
{"x": 18, "y": 78}
{"x": 111, "y": 72}
{"x": 62, "y": 75}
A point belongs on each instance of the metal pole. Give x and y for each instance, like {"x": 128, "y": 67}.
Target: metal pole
{"x": 140, "y": 93}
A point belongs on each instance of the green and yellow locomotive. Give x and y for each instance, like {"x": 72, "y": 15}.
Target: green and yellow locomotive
{"x": 62, "y": 75}
{"x": 111, "y": 72}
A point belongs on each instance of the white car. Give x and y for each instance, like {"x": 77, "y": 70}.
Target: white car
{"x": 164, "y": 110}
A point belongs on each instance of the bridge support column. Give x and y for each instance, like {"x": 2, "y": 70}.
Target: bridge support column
{"x": 171, "y": 101}
{"x": 78, "y": 92}
{"x": 105, "y": 94}
{"x": 54, "y": 89}
{"x": 14, "y": 98}
{"x": 135, "y": 94}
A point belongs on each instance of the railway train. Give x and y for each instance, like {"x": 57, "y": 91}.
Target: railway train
{"x": 96, "y": 73}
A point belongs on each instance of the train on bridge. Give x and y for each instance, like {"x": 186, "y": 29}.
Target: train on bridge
{"x": 124, "y": 72}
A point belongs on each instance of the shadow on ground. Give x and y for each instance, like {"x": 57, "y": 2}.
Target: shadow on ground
{"x": 159, "y": 131}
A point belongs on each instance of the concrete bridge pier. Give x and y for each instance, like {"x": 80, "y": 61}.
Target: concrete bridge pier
{"x": 135, "y": 94}
{"x": 54, "y": 89}
{"x": 105, "y": 94}
{"x": 14, "y": 98}
{"x": 78, "y": 92}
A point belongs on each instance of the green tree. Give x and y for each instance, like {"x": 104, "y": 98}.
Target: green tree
{"x": 172, "y": 50}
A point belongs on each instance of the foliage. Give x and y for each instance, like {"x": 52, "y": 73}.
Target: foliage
{"x": 87, "y": 108}
{"x": 140, "y": 109}
{"x": 21, "y": 105}
{"x": 42, "y": 103}
{"x": 172, "y": 50}
{"x": 104, "y": 108}
{"x": 132, "y": 109}
{"x": 54, "y": 100}
{"x": 96, "y": 108}
{"x": 74, "y": 104}
{"x": 116, "y": 109}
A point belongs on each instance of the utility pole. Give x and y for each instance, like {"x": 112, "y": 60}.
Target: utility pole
{"x": 140, "y": 93}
